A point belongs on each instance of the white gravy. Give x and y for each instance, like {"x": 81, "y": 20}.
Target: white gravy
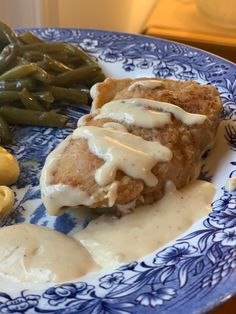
{"x": 124, "y": 151}
{"x": 119, "y": 149}
{"x": 56, "y": 196}
{"x": 151, "y": 84}
{"x": 34, "y": 254}
{"x": 30, "y": 253}
{"x": 115, "y": 126}
{"x": 112, "y": 241}
{"x": 136, "y": 111}
{"x": 230, "y": 185}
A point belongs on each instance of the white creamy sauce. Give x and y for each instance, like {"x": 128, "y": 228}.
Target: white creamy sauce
{"x": 34, "y": 254}
{"x": 169, "y": 187}
{"x": 112, "y": 241}
{"x": 230, "y": 185}
{"x": 119, "y": 149}
{"x": 112, "y": 193}
{"x": 115, "y": 126}
{"x": 150, "y": 84}
{"x": 123, "y": 151}
{"x": 56, "y": 196}
{"x": 84, "y": 119}
{"x": 30, "y": 253}
{"x": 93, "y": 91}
{"x": 133, "y": 113}
{"x": 136, "y": 111}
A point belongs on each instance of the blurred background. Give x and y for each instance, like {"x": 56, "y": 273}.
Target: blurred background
{"x": 208, "y": 24}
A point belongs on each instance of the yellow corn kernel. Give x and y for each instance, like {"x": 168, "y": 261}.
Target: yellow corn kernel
{"x": 9, "y": 168}
{"x": 6, "y": 201}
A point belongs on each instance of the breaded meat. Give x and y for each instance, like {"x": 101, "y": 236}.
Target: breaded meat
{"x": 77, "y": 164}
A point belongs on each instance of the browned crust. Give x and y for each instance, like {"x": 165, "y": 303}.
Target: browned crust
{"x": 78, "y": 165}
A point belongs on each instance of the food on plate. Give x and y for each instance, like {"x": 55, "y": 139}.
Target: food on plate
{"x": 141, "y": 135}
{"x": 230, "y": 185}
{"x": 31, "y": 117}
{"x": 30, "y": 253}
{"x": 114, "y": 241}
{"x": 35, "y": 254}
{"x": 35, "y": 73}
{"x": 5, "y": 133}
{"x": 6, "y": 201}
{"x": 9, "y": 168}
{"x": 140, "y": 147}
{"x": 9, "y": 173}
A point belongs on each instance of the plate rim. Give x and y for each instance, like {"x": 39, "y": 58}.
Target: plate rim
{"x": 150, "y": 38}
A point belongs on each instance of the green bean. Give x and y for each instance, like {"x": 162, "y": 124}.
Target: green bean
{"x": 58, "y": 51}
{"x": 7, "y": 34}
{"x": 29, "y": 101}
{"x": 49, "y": 63}
{"x": 24, "y": 70}
{"x": 33, "y": 56}
{"x": 44, "y": 48}
{"x": 64, "y": 53}
{"x": 70, "y": 95}
{"x": 22, "y": 61}
{"x": 8, "y": 96}
{"x": 84, "y": 88}
{"x": 42, "y": 76}
{"x": 17, "y": 85}
{"x": 29, "y": 38}
{"x": 82, "y": 55}
{"x": 76, "y": 76}
{"x": 97, "y": 78}
{"x": 5, "y": 134}
{"x": 19, "y": 71}
{"x": 64, "y": 58}
{"x": 70, "y": 60}
{"x": 7, "y": 57}
{"x": 45, "y": 97}
{"x": 30, "y": 117}
{"x": 36, "y": 73}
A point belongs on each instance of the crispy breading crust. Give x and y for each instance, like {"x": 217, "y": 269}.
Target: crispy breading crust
{"x": 78, "y": 165}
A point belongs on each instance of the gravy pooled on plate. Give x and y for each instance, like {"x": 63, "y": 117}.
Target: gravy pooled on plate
{"x": 30, "y": 253}
{"x": 113, "y": 241}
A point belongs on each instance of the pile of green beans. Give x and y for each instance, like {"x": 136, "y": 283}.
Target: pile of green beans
{"x": 35, "y": 75}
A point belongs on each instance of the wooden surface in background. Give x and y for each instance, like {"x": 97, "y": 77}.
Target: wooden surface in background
{"x": 229, "y": 307}
{"x": 181, "y": 21}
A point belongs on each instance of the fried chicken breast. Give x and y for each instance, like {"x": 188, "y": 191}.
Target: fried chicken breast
{"x": 76, "y": 165}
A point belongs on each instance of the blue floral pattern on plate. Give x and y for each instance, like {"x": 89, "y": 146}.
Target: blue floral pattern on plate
{"x": 190, "y": 274}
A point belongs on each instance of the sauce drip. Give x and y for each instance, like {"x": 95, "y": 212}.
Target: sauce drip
{"x": 124, "y": 151}
{"x": 115, "y": 126}
{"x": 137, "y": 111}
{"x": 151, "y": 84}
{"x": 56, "y": 196}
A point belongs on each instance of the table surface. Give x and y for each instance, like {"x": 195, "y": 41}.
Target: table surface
{"x": 181, "y": 21}
{"x": 229, "y": 307}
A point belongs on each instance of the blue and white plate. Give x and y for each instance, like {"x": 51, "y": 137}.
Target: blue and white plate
{"x": 189, "y": 275}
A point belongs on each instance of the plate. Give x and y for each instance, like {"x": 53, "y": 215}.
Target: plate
{"x": 189, "y": 275}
